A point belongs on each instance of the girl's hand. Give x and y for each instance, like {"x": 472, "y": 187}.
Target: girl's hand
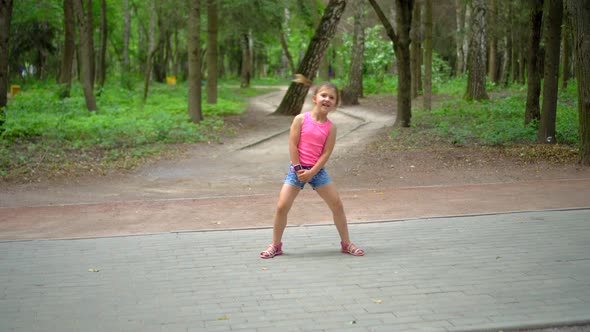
{"x": 305, "y": 175}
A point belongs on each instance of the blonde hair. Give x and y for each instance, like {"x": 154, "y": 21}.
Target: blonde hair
{"x": 300, "y": 78}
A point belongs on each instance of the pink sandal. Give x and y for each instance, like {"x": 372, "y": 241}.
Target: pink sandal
{"x": 272, "y": 251}
{"x": 350, "y": 248}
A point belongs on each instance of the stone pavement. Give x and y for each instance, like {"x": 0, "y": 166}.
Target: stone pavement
{"x": 479, "y": 272}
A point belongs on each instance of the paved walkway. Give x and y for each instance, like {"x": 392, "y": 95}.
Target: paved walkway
{"x": 485, "y": 272}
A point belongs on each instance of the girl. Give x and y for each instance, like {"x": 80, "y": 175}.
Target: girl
{"x": 311, "y": 141}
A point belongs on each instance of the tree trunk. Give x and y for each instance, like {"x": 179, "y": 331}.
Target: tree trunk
{"x": 246, "y": 60}
{"x": 194, "y": 61}
{"x": 534, "y": 75}
{"x": 476, "y": 83}
{"x": 65, "y": 73}
{"x": 551, "y": 73}
{"x": 285, "y": 45}
{"x": 579, "y": 11}
{"x": 461, "y": 12}
{"x": 295, "y": 96}
{"x": 493, "y": 55}
{"x": 86, "y": 53}
{"x": 212, "y": 51}
{"x": 126, "y": 81}
{"x": 401, "y": 46}
{"x": 416, "y": 50}
{"x": 353, "y": 91}
{"x": 5, "y": 18}
{"x": 102, "y": 63}
{"x": 151, "y": 50}
{"x": 427, "y": 54}
{"x": 565, "y": 55}
{"x": 323, "y": 69}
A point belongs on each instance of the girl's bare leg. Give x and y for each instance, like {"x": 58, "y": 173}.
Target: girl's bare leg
{"x": 330, "y": 195}
{"x": 286, "y": 198}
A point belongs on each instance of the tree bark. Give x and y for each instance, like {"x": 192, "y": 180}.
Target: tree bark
{"x": 461, "y": 15}
{"x": 295, "y": 96}
{"x": 212, "y": 51}
{"x": 65, "y": 73}
{"x": 5, "y": 18}
{"x": 285, "y": 45}
{"x": 354, "y": 89}
{"x": 551, "y": 73}
{"x": 246, "y": 60}
{"x": 101, "y": 72}
{"x": 493, "y": 54}
{"x": 428, "y": 54}
{"x": 532, "y": 111}
{"x": 86, "y": 53}
{"x": 401, "y": 46}
{"x": 126, "y": 35}
{"x": 151, "y": 51}
{"x": 565, "y": 54}
{"x": 579, "y": 11}
{"x": 194, "y": 61}
{"x": 476, "y": 83}
{"x": 416, "y": 49}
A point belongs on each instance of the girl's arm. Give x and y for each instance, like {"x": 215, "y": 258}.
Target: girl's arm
{"x": 294, "y": 136}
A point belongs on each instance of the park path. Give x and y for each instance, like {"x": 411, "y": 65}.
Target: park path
{"x": 234, "y": 185}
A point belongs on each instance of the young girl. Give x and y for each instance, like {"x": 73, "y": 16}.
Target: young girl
{"x": 311, "y": 141}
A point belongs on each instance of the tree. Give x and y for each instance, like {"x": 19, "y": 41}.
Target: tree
{"x": 416, "y": 49}
{"x": 245, "y": 43}
{"x": 493, "y": 49}
{"x": 83, "y": 14}
{"x": 546, "y": 132}
{"x": 462, "y": 14}
{"x": 295, "y": 96}
{"x": 427, "y": 54}
{"x": 151, "y": 50}
{"x": 194, "y": 61}
{"x": 5, "y": 17}
{"x": 126, "y": 36}
{"x": 212, "y": 51}
{"x": 476, "y": 82}
{"x": 565, "y": 54}
{"x": 354, "y": 89}
{"x": 401, "y": 45}
{"x": 534, "y": 75}
{"x": 101, "y": 70}
{"x": 578, "y": 13}
{"x": 65, "y": 73}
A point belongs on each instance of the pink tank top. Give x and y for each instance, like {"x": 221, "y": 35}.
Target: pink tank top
{"x": 312, "y": 140}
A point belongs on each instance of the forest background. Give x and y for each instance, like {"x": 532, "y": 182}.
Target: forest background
{"x": 108, "y": 83}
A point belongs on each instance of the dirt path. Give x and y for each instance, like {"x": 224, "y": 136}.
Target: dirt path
{"x": 234, "y": 185}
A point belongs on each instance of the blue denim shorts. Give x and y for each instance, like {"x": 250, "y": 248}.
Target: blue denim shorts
{"x": 320, "y": 179}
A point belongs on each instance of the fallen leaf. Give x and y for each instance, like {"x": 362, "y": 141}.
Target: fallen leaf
{"x": 92, "y": 270}
{"x": 224, "y": 317}
{"x": 264, "y": 268}
{"x": 377, "y": 301}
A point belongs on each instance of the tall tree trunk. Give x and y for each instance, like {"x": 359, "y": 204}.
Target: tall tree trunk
{"x": 493, "y": 54}
{"x": 126, "y": 81}
{"x": 416, "y": 49}
{"x": 551, "y": 73}
{"x": 354, "y": 89}
{"x": 401, "y": 45}
{"x": 476, "y": 83}
{"x": 212, "y": 51}
{"x": 5, "y": 18}
{"x": 323, "y": 69}
{"x": 565, "y": 54}
{"x": 246, "y": 74}
{"x": 285, "y": 45}
{"x": 579, "y": 11}
{"x": 65, "y": 73}
{"x": 427, "y": 54}
{"x": 101, "y": 72}
{"x": 86, "y": 53}
{"x": 151, "y": 50}
{"x": 295, "y": 96}
{"x": 462, "y": 13}
{"x": 534, "y": 74}
{"x": 194, "y": 61}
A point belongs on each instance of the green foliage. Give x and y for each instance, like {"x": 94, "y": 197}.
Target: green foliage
{"x": 498, "y": 121}
{"x": 37, "y": 120}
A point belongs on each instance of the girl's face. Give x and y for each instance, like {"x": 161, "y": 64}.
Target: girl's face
{"x": 326, "y": 99}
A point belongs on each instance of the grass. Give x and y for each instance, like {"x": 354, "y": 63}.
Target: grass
{"x": 45, "y": 134}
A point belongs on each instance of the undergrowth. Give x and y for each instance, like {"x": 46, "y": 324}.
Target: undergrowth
{"x": 43, "y": 133}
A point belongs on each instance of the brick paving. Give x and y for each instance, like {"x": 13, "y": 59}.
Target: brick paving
{"x": 486, "y": 272}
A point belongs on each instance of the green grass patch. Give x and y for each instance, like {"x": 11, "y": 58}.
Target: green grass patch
{"x": 42, "y": 128}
